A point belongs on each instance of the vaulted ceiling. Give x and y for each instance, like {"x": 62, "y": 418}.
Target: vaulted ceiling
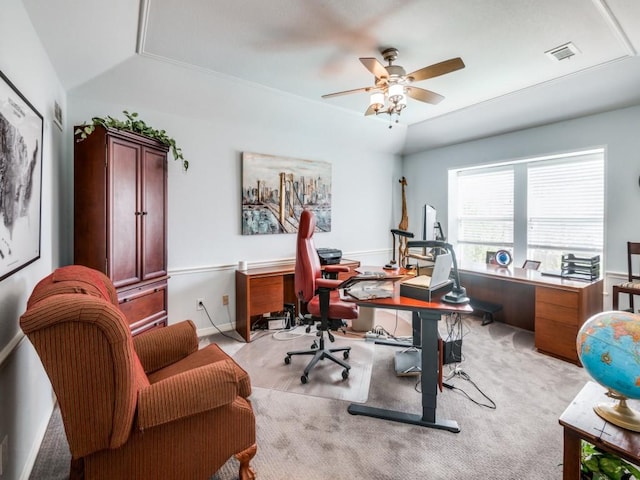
{"x": 310, "y": 48}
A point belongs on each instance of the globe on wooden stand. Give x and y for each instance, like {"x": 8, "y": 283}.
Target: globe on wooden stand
{"x": 608, "y": 346}
{"x": 619, "y": 413}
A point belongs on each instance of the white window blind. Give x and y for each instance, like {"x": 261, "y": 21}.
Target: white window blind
{"x": 485, "y": 207}
{"x": 566, "y": 204}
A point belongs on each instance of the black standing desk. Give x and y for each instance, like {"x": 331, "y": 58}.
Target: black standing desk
{"x": 428, "y": 314}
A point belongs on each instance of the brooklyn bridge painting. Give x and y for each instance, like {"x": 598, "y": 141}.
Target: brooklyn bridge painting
{"x": 276, "y": 189}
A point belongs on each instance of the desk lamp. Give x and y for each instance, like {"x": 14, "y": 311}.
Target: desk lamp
{"x": 458, "y": 294}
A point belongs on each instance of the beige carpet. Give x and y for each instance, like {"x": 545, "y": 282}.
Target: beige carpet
{"x": 315, "y": 438}
{"x": 263, "y": 359}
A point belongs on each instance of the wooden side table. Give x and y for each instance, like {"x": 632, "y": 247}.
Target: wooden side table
{"x": 580, "y": 422}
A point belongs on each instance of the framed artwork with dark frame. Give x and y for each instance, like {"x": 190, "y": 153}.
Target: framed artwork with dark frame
{"x": 21, "y": 131}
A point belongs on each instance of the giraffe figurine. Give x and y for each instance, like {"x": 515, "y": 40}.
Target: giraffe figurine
{"x": 404, "y": 225}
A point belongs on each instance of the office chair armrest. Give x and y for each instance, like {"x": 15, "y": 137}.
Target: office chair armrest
{"x": 188, "y": 393}
{"x": 332, "y": 271}
{"x": 336, "y": 268}
{"x": 163, "y": 346}
{"x": 329, "y": 283}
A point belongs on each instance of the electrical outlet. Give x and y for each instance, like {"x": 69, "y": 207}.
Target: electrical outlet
{"x": 200, "y": 304}
{"x": 4, "y": 454}
{"x": 225, "y": 299}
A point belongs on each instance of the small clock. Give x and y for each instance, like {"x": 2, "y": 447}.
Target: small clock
{"x": 503, "y": 258}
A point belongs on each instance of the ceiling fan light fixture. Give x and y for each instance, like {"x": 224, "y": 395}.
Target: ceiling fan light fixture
{"x": 376, "y": 101}
{"x": 396, "y": 93}
{"x": 402, "y": 102}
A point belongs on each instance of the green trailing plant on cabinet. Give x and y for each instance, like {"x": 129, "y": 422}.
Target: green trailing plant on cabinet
{"x": 599, "y": 465}
{"x": 135, "y": 125}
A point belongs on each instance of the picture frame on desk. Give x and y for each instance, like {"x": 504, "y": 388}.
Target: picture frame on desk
{"x": 531, "y": 264}
{"x": 490, "y": 258}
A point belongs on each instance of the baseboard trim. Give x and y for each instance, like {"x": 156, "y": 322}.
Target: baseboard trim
{"x": 224, "y": 327}
{"x": 35, "y": 446}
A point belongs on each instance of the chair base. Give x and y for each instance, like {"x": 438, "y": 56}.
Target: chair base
{"x": 321, "y": 353}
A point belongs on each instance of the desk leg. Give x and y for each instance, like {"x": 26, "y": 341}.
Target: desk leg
{"x": 429, "y": 383}
{"x": 571, "y": 455}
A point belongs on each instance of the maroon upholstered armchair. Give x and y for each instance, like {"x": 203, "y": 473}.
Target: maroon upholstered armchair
{"x": 321, "y": 297}
{"x": 150, "y": 406}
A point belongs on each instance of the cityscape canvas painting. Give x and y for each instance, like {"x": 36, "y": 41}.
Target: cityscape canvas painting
{"x": 21, "y": 128}
{"x": 276, "y": 189}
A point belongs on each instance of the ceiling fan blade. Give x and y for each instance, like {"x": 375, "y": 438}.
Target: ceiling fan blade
{"x": 423, "y": 95}
{"x": 347, "y": 92}
{"x": 437, "y": 69}
{"x": 375, "y": 67}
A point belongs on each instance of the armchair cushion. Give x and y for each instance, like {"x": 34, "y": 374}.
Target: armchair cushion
{"x": 187, "y": 393}
{"x": 163, "y": 346}
{"x": 210, "y": 354}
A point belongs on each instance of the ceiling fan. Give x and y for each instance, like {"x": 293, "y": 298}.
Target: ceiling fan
{"x": 392, "y": 84}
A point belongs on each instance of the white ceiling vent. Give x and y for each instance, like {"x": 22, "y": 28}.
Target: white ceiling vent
{"x": 567, "y": 50}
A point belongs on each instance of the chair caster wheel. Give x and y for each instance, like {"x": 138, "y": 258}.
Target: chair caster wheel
{"x": 314, "y": 345}
{"x": 345, "y": 354}
{"x": 345, "y": 374}
{"x": 304, "y": 379}
{"x": 308, "y": 329}
{"x": 287, "y": 360}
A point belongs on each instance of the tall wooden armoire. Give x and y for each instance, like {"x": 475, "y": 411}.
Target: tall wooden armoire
{"x": 120, "y": 222}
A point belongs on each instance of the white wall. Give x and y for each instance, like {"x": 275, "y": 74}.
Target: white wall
{"x": 214, "y": 119}
{"x": 25, "y": 393}
{"x": 616, "y": 130}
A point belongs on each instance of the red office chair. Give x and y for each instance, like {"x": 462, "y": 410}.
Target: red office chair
{"x": 321, "y": 298}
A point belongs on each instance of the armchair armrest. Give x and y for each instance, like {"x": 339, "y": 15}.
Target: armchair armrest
{"x": 164, "y": 346}
{"x": 189, "y": 393}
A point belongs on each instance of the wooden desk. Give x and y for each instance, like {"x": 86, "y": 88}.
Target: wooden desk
{"x": 580, "y": 422}
{"x": 553, "y": 307}
{"x": 267, "y": 289}
{"x": 428, "y": 314}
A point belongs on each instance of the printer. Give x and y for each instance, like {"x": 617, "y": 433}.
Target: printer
{"x": 329, "y": 256}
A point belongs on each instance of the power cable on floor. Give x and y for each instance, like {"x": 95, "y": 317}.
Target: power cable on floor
{"x": 458, "y": 372}
{"x": 204, "y": 307}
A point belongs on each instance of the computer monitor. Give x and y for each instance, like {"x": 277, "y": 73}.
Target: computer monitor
{"x": 429, "y": 223}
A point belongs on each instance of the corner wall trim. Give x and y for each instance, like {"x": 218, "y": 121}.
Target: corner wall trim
{"x": 10, "y": 347}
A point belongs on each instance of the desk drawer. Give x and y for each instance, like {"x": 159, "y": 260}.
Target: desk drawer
{"x": 560, "y": 314}
{"x": 557, "y": 339}
{"x": 266, "y": 294}
{"x": 557, "y": 297}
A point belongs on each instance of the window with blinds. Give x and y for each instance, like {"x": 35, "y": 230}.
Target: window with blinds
{"x": 557, "y": 207}
{"x": 565, "y": 204}
{"x": 485, "y": 212}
